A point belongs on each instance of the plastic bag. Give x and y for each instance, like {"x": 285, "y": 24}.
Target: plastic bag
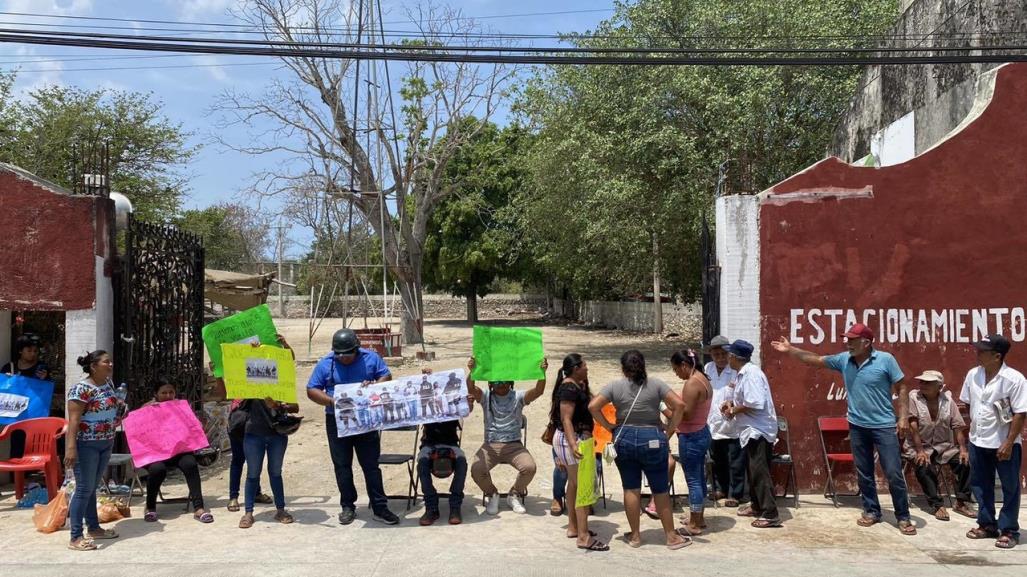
{"x": 108, "y": 512}
{"x": 51, "y": 517}
{"x": 113, "y": 507}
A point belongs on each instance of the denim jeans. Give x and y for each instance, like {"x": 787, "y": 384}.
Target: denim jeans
{"x": 255, "y": 447}
{"x": 411, "y": 409}
{"x": 235, "y": 469}
{"x": 692, "y": 449}
{"x": 456, "y": 486}
{"x": 364, "y": 417}
{"x": 560, "y": 478}
{"x": 89, "y": 468}
{"x": 642, "y": 450}
{"x": 886, "y": 441}
{"x": 368, "y": 449}
{"x": 984, "y": 464}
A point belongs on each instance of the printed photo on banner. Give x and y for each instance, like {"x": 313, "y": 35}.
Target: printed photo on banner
{"x": 413, "y": 400}
{"x": 24, "y": 398}
{"x": 259, "y": 372}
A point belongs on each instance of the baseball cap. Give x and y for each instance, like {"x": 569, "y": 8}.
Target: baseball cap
{"x": 997, "y": 343}
{"x": 931, "y": 376}
{"x": 717, "y": 342}
{"x": 741, "y": 349}
{"x": 859, "y": 331}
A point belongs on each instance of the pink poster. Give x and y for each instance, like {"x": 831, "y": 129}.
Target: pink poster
{"x": 163, "y": 430}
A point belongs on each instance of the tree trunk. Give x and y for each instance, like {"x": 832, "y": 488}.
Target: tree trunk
{"x": 657, "y": 299}
{"x": 412, "y": 317}
{"x": 472, "y": 304}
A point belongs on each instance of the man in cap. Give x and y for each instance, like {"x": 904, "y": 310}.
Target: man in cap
{"x": 751, "y": 409}
{"x": 349, "y": 363}
{"x": 729, "y": 460}
{"x": 871, "y": 378}
{"x": 997, "y": 395}
{"x": 937, "y": 437}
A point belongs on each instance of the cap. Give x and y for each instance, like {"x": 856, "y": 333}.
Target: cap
{"x": 931, "y": 376}
{"x": 859, "y": 331}
{"x": 741, "y": 349}
{"x": 997, "y": 343}
{"x": 717, "y": 342}
{"x": 345, "y": 341}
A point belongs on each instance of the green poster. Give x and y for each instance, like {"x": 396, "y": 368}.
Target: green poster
{"x": 588, "y": 493}
{"x": 503, "y": 354}
{"x": 259, "y": 372}
{"x": 248, "y": 326}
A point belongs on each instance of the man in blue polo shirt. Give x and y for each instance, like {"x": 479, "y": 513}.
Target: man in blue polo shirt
{"x": 871, "y": 378}
{"x": 348, "y": 363}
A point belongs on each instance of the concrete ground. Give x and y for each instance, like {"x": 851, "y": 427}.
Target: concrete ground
{"x": 817, "y": 539}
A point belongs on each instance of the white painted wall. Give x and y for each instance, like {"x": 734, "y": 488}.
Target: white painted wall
{"x": 79, "y": 339}
{"x": 896, "y": 143}
{"x": 105, "y": 309}
{"x": 738, "y": 252}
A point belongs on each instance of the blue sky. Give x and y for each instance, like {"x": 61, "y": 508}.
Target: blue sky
{"x": 188, "y": 85}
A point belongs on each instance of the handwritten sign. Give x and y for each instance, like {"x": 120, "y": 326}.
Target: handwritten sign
{"x": 24, "y": 398}
{"x": 161, "y": 431}
{"x": 248, "y": 326}
{"x": 507, "y": 354}
{"x": 259, "y": 372}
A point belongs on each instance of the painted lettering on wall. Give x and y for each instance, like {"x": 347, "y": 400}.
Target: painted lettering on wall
{"x": 818, "y": 326}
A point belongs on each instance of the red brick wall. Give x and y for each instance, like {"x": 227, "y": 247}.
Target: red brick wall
{"x": 48, "y": 258}
{"x": 944, "y": 232}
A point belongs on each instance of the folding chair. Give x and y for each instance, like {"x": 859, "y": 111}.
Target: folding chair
{"x": 600, "y": 472}
{"x": 408, "y": 459}
{"x": 833, "y": 425}
{"x": 785, "y": 459}
{"x": 417, "y": 478}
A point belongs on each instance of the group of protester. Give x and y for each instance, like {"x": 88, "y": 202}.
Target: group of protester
{"x": 724, "y": 409}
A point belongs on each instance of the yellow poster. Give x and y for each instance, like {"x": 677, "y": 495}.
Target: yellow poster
{"x": 259, "y": 372}
{"x": 588, "y": 492}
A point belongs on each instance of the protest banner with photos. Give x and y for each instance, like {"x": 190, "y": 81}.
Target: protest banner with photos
{"x": 259, "y": 372}
{"x": 507, "y": 354}
{"x": 410, "y": 401}
{"x": 160, "y": 431}
{"x": 24, "y": 398}
{"x": 249, "y": 326}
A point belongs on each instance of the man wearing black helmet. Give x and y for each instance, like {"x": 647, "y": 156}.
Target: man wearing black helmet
{"x": 349, "y": 363}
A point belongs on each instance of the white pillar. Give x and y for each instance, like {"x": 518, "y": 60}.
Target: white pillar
{"x": 738, "y": 251}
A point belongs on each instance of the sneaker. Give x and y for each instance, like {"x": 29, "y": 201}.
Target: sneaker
{"x": 429, "y": 517}
{"x": 492, "y": 504}
{"x": 455, "y": 518}
{"x": 514, "y": 500}
{"x": 347, "y": 515}
{"x": 386, "y": 516}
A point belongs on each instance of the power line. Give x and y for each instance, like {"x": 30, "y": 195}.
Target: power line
{"x": 501, "y": 55}
{"x": 170, "y": 66}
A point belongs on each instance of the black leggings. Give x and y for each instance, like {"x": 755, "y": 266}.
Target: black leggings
{"x": 158, "y": 471}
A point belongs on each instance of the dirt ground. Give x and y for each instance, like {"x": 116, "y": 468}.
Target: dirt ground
{"x": 817, "y": 539}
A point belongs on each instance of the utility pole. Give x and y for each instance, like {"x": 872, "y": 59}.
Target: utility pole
{"x": 657, "y": 299}
{"x": 281, "y": 256}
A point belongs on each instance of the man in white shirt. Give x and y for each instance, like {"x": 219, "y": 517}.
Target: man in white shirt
{"x": 729, "y": 460}
{"x": 752, "y": 409}
{"x": 997, "y": 395}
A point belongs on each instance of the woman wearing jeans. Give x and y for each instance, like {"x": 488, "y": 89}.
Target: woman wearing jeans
{"x": 693, "y": 433}
{"x": 641, "y": 442}
{"x": 261, "y": 439}
{"x": 93, "y": 415}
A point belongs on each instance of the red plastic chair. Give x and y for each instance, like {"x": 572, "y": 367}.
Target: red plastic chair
{"x": 833, "y": 425}
{"x": 40, "y": 452}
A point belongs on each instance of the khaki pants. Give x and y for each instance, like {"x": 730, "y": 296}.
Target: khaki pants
{"x": 492, "y": 454}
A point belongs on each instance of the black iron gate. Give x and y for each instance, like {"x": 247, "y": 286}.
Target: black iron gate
{"x": 159, "y": 311}
{"x": 710, "y": 284}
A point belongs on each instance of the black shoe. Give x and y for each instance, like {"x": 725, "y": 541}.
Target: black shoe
{"x": 386, "y": 516}
{"x": 455, "y": 518}
{"x": 429, "y": 517}
{"x": 347, "y": 515}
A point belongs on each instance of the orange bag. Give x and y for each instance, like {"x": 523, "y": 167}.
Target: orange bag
{"x": 51, "y": 517}
{"x": 108, "y": 513}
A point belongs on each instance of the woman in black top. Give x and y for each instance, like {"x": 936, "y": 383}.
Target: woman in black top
{"x": 572, "y": 421}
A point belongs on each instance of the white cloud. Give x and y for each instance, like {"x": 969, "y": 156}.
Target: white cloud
{"x": 194, "y": 8}
{"x": 218, "y": 73}
{"x": 54, "y": 7}
{"x": 45, "y": 73}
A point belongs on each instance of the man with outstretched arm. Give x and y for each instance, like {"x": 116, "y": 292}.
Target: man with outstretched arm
{"x": 871, "y": 378}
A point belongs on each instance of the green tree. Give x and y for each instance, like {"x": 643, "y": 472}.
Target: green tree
{"x": 51, "y": 128}
{"x": 472, "y": 236}
{"x": 234, "y": 236}
{"x": 626, "y": 158}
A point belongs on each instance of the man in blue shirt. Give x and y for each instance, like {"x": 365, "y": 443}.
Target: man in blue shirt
{"x": 871, "y": 378}
{"x": 348, "y": 363}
